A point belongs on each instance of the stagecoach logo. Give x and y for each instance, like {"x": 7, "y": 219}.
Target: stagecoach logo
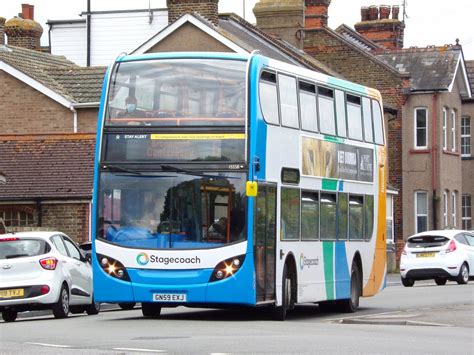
{"x": 304, "y": 261}
{"x": 142, "y": 259}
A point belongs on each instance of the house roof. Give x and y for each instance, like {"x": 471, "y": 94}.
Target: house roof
{"x": 470, "y": 73}
{"x": 69, "y": 81}
{"x": 431, "y": 68}
{"x": 242, "y": 37}
{"x": 252, "y": 38}
{"x": 52, "y": 166}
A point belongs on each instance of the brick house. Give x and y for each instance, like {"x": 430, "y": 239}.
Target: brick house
{"x": 48, "y": 113}
{"x": 48, "y": 182}
{"x": 467, "y": 153}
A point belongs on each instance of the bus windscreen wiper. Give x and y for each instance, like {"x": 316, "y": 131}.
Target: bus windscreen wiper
{"x": 120, "y": 169}
{"x": 175, "y": 169}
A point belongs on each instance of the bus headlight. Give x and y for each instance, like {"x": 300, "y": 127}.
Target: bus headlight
{"x": 227, "y": 268}
{"x": 113, "y": 267}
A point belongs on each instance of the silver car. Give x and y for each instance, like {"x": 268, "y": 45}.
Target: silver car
{"x": 44, "y": 270}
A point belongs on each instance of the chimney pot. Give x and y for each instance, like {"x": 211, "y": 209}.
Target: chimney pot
{"x": 395, "y": 12}
{"x": 384, "y": 12}
{"x": 373, "y": 13}
{"x": 28, "y": 12}
{"x": 364, "y": 13}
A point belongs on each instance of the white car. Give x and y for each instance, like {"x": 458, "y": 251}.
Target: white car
{"x": 44, "y": 270}
{"x": 440, "y": 255}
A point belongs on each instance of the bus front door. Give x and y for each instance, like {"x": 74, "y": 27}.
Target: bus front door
{"x": 264, "y": 242}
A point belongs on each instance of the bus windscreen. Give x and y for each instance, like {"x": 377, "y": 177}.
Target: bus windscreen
{"x": 171, "y": 210}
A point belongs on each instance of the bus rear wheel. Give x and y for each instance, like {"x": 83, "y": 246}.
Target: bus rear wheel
{"x": 151, "y": 310}
{"x": 350, "y": 305}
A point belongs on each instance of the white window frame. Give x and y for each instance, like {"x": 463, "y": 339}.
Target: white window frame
{"x": 445, "y": 208}
{"x": 453, "y": 130}
{"x": 465, "y": 137}
{"x": 466, "y": 218}
{"x": 416, "y": 128}
{"x": 416, "y": 210}
{"x": 445, "y": 128}
{"x": 453, "y": 208}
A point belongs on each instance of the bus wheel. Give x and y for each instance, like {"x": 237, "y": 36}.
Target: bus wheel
{"x": 280, "y": 312}
{"x": 350, "y": 305}
{"x": 151, "y": 310}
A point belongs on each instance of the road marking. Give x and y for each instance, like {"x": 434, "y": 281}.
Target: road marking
{"x": 138, "y": 350}
{"x": 50, "y": 345}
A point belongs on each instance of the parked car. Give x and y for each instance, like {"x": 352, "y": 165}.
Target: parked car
{"x": 441, "y": 255}
{"x": 44, "y": 270}
{"x": 86, "y": 247}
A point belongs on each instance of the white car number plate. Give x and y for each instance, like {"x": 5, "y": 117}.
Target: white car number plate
{"x": 169, "y": 297}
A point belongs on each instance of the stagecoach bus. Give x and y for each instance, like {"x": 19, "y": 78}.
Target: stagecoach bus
{"x": 236, "y": 180}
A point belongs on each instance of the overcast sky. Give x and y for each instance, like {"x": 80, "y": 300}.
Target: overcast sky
{"x": 429, "y": 22}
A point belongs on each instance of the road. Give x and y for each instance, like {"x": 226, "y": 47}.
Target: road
{"x": 425, "y": 319}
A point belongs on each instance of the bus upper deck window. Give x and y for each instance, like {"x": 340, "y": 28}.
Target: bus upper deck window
{"x": 288, "y": 101}
{"x": 368, "y": 132}
{"x": 378, "y": 125}
{"x": 327, "y": 122}
{"x": 354, "y": 117}
{"x": 309, "y": 116}
{"x": 269, "y": 98}
{"x": 341, "y": 114}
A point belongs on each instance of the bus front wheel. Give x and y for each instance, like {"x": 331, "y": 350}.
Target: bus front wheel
{"x": 151, "y": 310}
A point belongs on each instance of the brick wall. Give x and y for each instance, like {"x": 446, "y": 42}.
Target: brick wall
{"x": 71, "y": 219}
{"x": 206, "y": 8}
{"x": 26, "y": 110}
{"x": 87, "y": 120}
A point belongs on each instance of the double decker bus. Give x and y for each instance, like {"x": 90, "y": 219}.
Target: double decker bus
{"x": 236, "y": 180}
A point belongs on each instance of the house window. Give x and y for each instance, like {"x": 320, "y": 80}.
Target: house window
{"x": 445, "y": 129}
{"x": 466, "y": 212}
{"x": 453, "y": 130}
{"x": 389, "y": 209}
{"x": 421, "y": 128}
{"x": 453, "y": 208}
{"x": 421, "y": 211}
{"x": 466, "y": 137}
{"x": 16, "y": 218}
{"x": 445, "y": 209}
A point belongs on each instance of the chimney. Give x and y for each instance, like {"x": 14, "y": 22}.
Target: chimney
{"x": 316, "y": 14}
{"x": 377, "y": 26}
{"x": 206, "y": 8}
{"x": 24, "y": 31}
{"x": 282, "y": 18}
{"x": 2, "y": 30}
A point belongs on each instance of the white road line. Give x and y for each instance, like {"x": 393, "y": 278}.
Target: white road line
{"x": 142, "y": 350}
{"x": 49, "y": 345}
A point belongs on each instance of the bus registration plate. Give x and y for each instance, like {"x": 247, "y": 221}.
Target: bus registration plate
{"x": 169, "y": 297}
